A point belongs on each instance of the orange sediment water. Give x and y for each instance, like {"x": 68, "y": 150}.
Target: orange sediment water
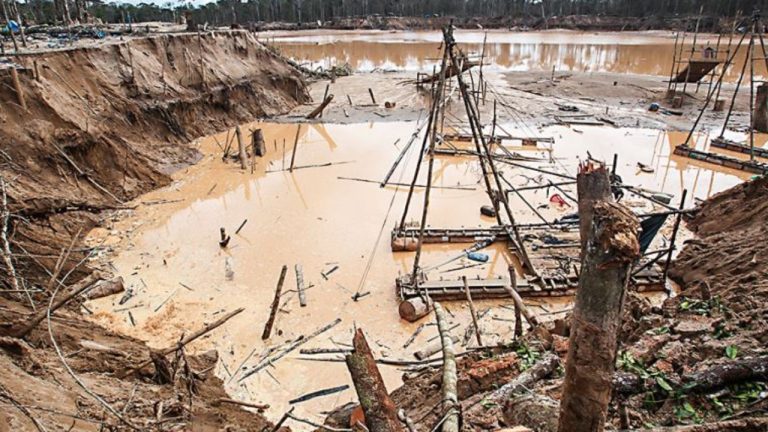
{"x": 167, "y": 249}
{"x": 646, "y": 53}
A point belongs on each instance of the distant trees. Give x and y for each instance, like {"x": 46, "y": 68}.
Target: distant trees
{"x": 221, "y": 12}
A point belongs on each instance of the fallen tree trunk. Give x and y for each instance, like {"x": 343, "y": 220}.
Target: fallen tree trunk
{"x": 730, "y": 372}
{"x": 610, "y": 247}
{"x": 450, "y": 377}
{"x": 532, "y": 411}
{"x": 105, "y": 289}
{"x": 704, "y": 381}
{"x": 745, "y": 425}
{"x": 496, "y": 399}
{"x": 24, "y": 329}
{"x": 380, "y": 412}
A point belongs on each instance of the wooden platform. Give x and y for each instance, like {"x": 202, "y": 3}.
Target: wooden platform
{"x": 453, "y": 289}
{"x": 554, "y": 253}
{"x": 733, "y": 146}
{"x": 695, "y": 71}
{"x": 718, "y": 159}
{"x": 498, "y": 138}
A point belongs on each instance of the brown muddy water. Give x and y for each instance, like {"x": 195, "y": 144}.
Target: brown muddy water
{"x": 646, "y": 53}
{"x": 167, "y": 249}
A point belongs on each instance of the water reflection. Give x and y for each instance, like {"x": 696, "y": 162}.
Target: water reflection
{"x": 573, "y": 52}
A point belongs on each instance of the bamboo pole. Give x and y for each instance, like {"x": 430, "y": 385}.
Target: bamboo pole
{"x": 472, "y": 311}
{"x": 450, "y": 398}
{"x": 241, "y": 148}
{"x": 295, "y": 146}
{"x": 300, "y": 285}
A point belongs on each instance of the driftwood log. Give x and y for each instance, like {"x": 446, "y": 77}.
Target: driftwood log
{"x": 380, "y": 412}
{"x": 609, "y": 233}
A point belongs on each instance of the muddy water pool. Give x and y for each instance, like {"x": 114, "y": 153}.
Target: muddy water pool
{"x": 647, "y": 53}
{"x": 325, "y": 217}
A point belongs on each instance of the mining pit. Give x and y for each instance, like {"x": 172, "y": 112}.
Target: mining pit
{"x": 131, "y": 148}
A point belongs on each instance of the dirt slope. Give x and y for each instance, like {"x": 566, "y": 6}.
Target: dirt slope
{"x": 103, "y": 125}
{"x": 123, "y": 113}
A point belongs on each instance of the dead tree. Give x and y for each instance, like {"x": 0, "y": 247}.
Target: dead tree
{"x": 609, "y": 235}
{"x": 380, "y": 412}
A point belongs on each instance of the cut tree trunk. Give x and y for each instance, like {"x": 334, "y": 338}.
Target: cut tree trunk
{"x": 414, "y": 309}
{"x": 241, "y": 148}
{"x": 760, "y": 118}
{"x": 380, "y": 412}
{"x": 258, "y": 143}
{"x": 609, "y": 233}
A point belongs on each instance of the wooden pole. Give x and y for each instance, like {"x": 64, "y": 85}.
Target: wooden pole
{"x": 519, "y": 305}
{"x": 7, "y": 19}
{"x": 672, "y": 239}
{"x": 379, "y": 409}
{"x": 21, "y": 25}
{"x": 300, "y": 285}
{"x": 373, "y": 98}
{"x": 472, "y": 311}
{"x": 450, "y": 379}
{"x": 275, "y": 304}
{"x": 241, "y": 148}
{"x": 295, "y": 146}
{"x": 17, "y": 87}
{"x": 319, "y": 110}
{"x": 612, "y": 246}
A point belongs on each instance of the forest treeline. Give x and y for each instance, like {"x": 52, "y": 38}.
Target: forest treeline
{"x": 225, "y": 12}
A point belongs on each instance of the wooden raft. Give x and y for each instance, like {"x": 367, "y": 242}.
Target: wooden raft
{"x": 554, "y": 253}
{"x": 718, "y": 159}
{"x": 733, "y": 146}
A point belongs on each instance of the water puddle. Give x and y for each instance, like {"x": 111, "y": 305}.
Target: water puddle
{"x": 324, "y": 218}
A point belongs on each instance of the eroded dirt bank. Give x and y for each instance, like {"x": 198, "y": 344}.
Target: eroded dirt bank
{"x": 107, "y": 124}
{"x": 102, "y": 126}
